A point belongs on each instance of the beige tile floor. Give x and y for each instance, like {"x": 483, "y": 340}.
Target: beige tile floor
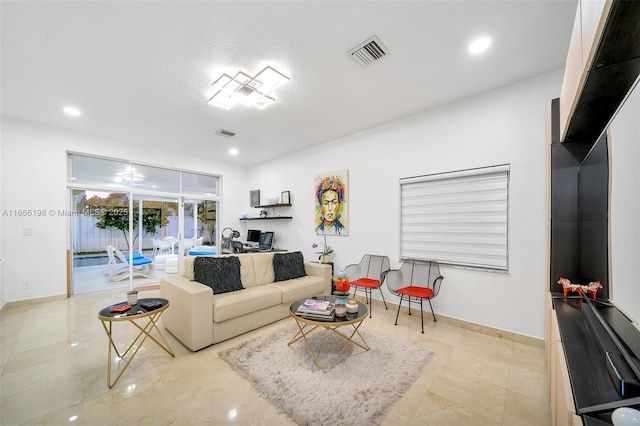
{"x": 53, "y": 363}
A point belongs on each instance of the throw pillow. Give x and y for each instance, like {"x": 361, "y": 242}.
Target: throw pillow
{"x": 222, "y": 274}
{"x": 287, "y": 266}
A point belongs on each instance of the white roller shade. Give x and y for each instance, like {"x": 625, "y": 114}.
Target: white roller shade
{"x": 457, "y": 218}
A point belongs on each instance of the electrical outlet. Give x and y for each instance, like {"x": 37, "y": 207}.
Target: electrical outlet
{"x": 26, "y": 285}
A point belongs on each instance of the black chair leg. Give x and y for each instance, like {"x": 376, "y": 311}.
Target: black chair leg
{"x": 431, "y": 306}
{"x": 382, "y": 294}
{"x": 422, "y": 316}
{"x": 369, "y": 301}
{"x": 399, "y": 304}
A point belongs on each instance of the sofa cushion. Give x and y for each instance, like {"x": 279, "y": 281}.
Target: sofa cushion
{"x": 247, "y": 301}
{"x": 247, "y": 270}
{"x": 300, "y": 288}
{"x": 262, "y": 267}
{"x": 188, "y": 267}
{"x": 287, "y": 266}
{"x": 222, "y": 274}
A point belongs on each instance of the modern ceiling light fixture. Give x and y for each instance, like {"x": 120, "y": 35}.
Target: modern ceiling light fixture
{"x": 479, "y": 45}
{"x": 245, "y": 89}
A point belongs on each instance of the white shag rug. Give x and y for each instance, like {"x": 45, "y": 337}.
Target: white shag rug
{"x": 359, "y": 390}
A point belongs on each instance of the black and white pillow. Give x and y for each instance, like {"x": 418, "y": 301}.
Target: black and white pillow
{"x": 287, "y": 266}
{"x": 222, "y": 274}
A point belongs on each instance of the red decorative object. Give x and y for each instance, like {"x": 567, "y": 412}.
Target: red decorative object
{"x": 342, "y": 284}
{"x": 591, "y": 289}
{"x": 567, "y": 286}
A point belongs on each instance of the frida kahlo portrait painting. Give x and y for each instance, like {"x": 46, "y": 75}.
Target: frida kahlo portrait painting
{"x": 331, "y": 203}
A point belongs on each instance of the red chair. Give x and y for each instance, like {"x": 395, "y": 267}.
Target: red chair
{"x": 368, "y": 275}
{"x": 416, "y": 281}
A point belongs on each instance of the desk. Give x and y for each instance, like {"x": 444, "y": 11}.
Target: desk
{"x": 137, "y": 312}
{"x": 259, "y": 250}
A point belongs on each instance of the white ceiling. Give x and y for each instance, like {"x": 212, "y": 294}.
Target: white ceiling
{"x": 141, "y": 72}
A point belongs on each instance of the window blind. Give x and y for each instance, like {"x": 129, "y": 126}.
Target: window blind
{"x": 458, "y": 218}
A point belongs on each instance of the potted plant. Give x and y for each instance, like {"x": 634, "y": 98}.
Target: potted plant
{"x": 324, "y": 255}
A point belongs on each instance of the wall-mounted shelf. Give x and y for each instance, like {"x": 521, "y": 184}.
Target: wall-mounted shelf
{"x": 272, "y": 205}
{"x": 266, "y": 218}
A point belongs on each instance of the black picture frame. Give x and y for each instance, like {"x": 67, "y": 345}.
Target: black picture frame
{"x": 254, "y": 198}
{"x": 285, "y": 197}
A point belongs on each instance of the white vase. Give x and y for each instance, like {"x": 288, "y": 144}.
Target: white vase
{"x": 326, "y": 258}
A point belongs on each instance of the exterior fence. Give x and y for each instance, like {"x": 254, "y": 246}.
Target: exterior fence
{"x": 87, "y": 238}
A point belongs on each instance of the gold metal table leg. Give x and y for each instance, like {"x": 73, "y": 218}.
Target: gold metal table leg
{"x": 303, "y": 333}
{"x": 144, "y": 331}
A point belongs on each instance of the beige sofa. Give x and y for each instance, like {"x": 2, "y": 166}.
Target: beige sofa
{"x": 199, "y": 318}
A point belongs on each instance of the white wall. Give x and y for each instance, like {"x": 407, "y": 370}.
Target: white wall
{"x": 503, "y": 126}
{"x": 34, "y": 176}
{"x": 625, "y": 206}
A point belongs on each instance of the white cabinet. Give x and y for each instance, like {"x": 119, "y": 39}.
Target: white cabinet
{"x": 588, "y": 25}
{"x": 563, "y": 411}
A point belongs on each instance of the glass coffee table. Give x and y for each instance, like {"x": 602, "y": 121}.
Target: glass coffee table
{"x": 307, "y": 325}
{"x": 137, "y": 312}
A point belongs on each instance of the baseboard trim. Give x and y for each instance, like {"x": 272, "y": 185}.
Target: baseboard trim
{"x": 507, "y": 335}
{"x": 38, "y": 301}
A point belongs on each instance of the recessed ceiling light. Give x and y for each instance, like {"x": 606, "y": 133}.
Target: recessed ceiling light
{"x": 72, "y": 111}
{"x": 233, "y": 151}
{"x": 479, "y": 45}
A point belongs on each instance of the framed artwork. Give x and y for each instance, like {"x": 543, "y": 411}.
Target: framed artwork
{"x": 285, "y": 197}
{"x": 332, "y": 203}
{"x": 254, "y": 198}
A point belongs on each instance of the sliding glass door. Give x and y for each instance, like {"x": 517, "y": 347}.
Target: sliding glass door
{"x": 133, "y": 224}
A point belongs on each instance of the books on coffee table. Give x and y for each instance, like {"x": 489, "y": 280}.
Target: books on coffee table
{"x": 318, "y": 317}
{"x": 323, "y": 308}
{"x": 315, "y": 305}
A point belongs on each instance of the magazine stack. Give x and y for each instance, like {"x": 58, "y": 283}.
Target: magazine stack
{"x": 318, "y": 310}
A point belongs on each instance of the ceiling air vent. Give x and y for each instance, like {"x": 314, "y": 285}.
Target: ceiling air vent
{"x": 227, "y": 133}
{"x": 368, "y": 52}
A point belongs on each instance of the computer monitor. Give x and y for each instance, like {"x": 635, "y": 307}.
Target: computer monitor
{"x": 253, "y": 236}
{"x": 266, "y": 240}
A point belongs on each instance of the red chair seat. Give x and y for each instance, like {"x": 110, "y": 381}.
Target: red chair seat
{"x": 366, "y": 282}
{"x": 415, "y": 291}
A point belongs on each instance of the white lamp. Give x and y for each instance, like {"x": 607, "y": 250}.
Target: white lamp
{"x": 625, "y": 416}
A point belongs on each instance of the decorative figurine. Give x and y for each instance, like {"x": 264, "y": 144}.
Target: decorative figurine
{"x": 342, "y": 292}
{"x": 592, "y": 288}
{"x": 342, "y": 282}
{"x": 567, "y": 286}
